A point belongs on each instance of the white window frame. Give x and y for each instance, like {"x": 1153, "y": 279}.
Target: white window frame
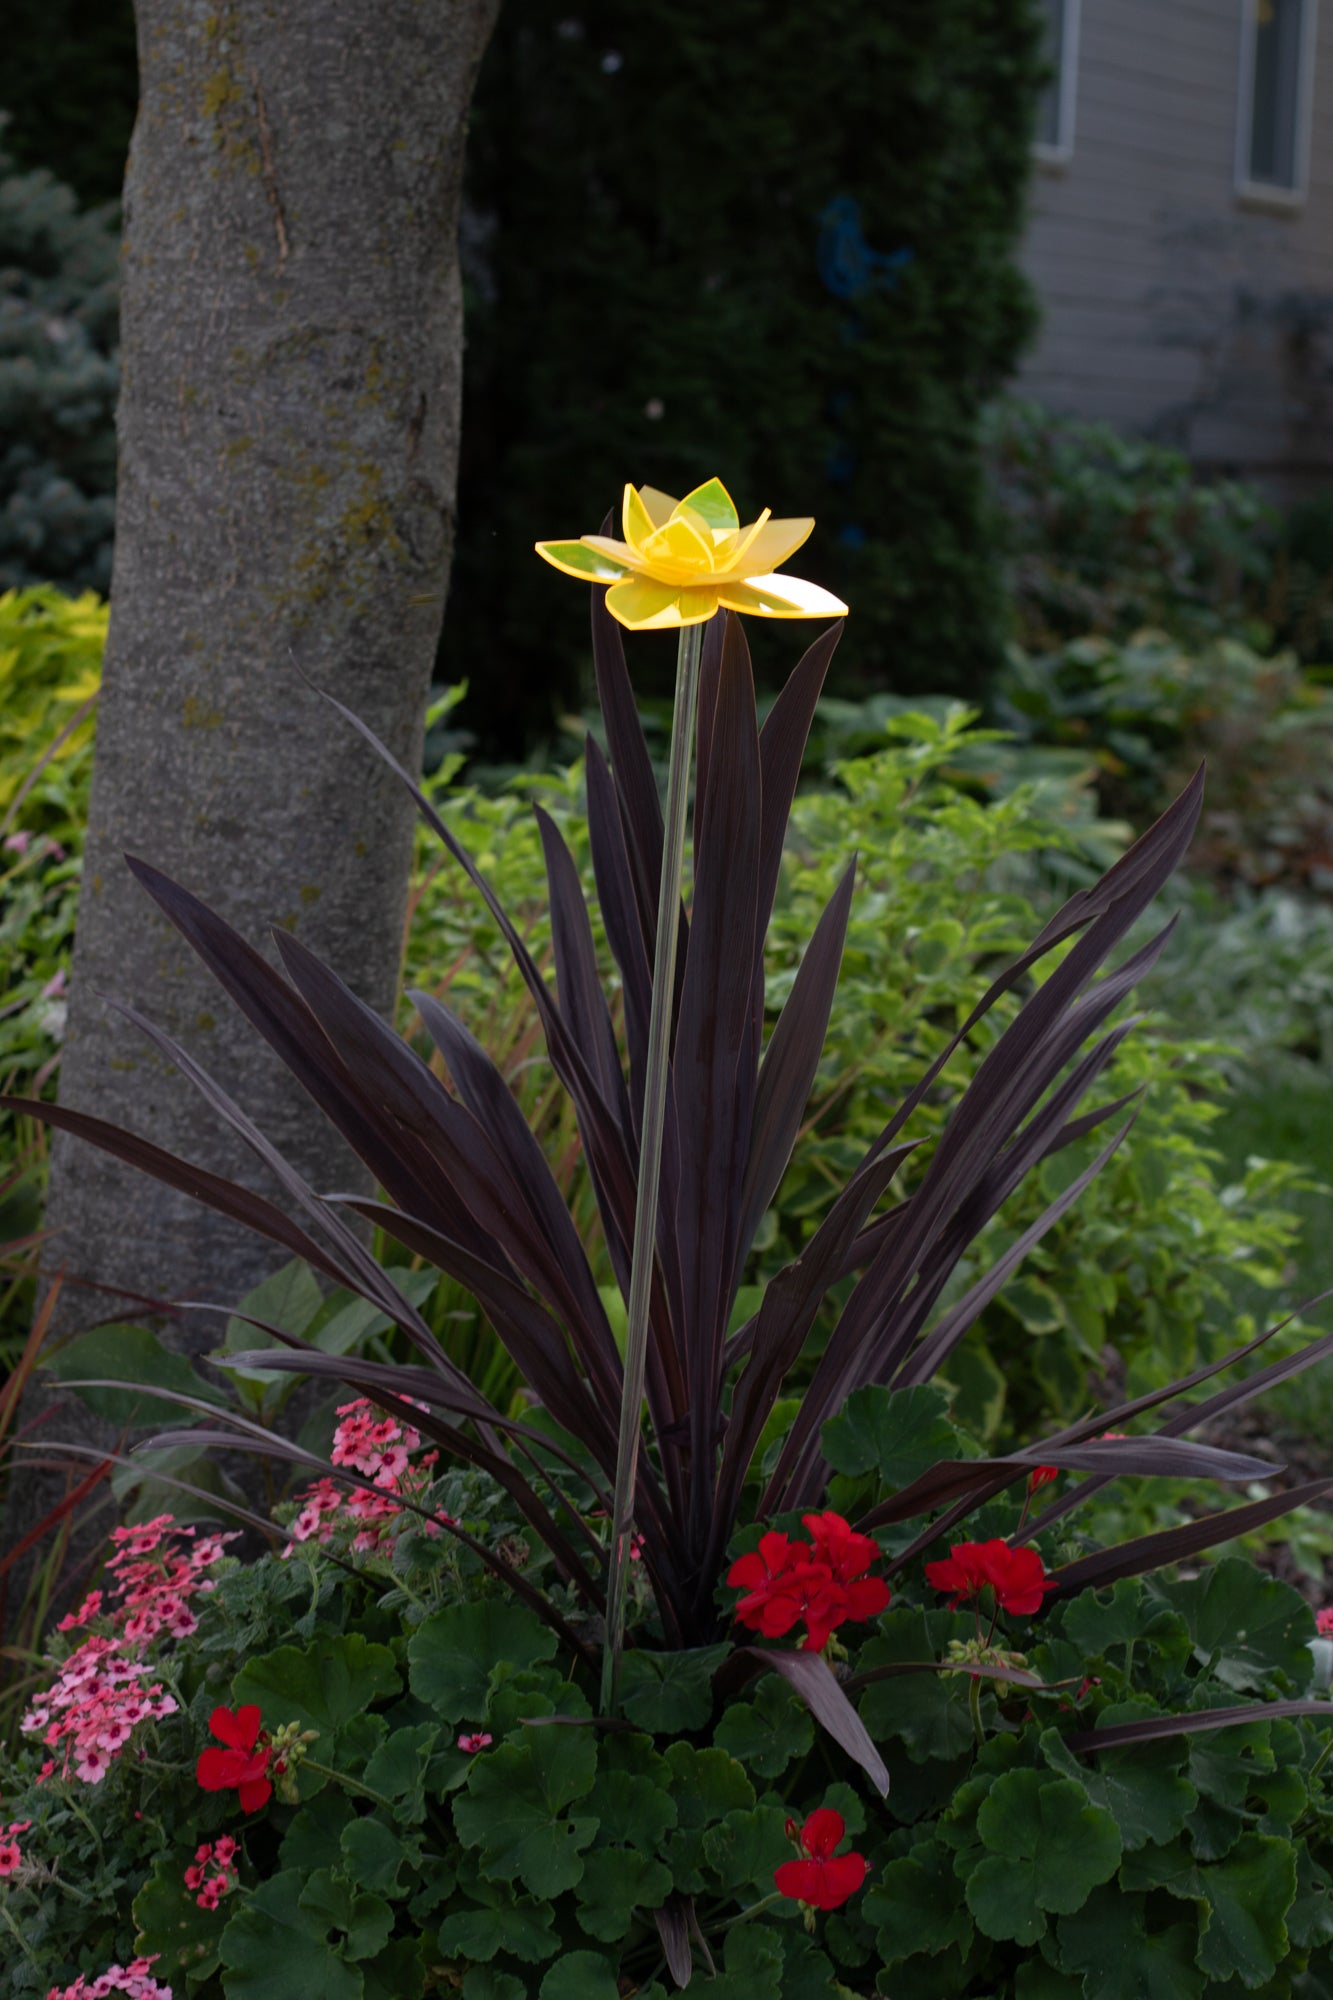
{"x": 1059, "y": 151}
{"x": 1269, "y": 194}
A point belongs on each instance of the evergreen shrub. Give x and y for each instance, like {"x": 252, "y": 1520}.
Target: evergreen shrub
{"x": 789, "y": 249}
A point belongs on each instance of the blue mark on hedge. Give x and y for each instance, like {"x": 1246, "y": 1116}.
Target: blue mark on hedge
{"x": 847, "y": 264}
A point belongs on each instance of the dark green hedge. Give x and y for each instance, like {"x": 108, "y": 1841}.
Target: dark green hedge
{"x": 775, "y": 243}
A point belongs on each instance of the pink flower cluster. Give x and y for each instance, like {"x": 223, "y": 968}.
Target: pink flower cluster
{"x": 10, "y": 1857}
{"x": 102, "y": 1691}
{"x": 381, "y": 1449}
{"x": 221, "y": 1854}
{"x": 133, "y": 1979}
{"x": 1323, "y": 1623}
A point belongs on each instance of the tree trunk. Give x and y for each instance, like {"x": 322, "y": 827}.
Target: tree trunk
{"x": 288, "y": 433}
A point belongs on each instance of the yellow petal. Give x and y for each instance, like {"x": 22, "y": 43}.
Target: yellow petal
{"x": 768, "y": 547}
{"x": 647, "y": 606}
{"x": 577, "y": 559}
{"x": 614, "y": 551}
{"x": 680, "y": 541}
{"x": 779, "y": 597}
{"x": 715, "y": 504}
{"x": 636, "y": 522}
{"x": 658, "y": 506}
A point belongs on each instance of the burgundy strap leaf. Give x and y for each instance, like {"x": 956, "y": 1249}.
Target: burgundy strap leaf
{"x": 811, "y": 1677}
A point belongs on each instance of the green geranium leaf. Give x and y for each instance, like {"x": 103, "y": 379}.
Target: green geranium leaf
{"x": 397, "y": 1971}
{"x": 631, "y": 1811}
{"x": 1144, "y": 1790}
{"x": 1310, "y": 1918}
{"x": 513, "y": 1809}
{"x": 522, "y": 1928}
{"x": 915, "y": 1904}
{"x": 1248, "y": 1895}
{"x": 452, "y": 1654}
{"x": 1096, "y": 1620}
{"x": 332, "y": 1681}
{"x": 365, "y": 1920}
{"x": 928, "y": 1711}
{"x": 767, "y": 1732}
{"x": 1048, "y": 1848}
{"x": 665, "y": 1693}
{"x": 314, "y": 1838}
{"x": 398, "y": 1768}
{"x": 1246, "y": 1624}
{"x": 273, "y": 1947}
{"x": 747, "y": 1846}
{"x": 1038, "y": 1981}
{"x": 753, "y": 1959}
{"x": 133, "y": 1355}
{"x": 806, "y": 1971}
{"x": 897, "y": 1433}
{"x": 374, "y": 1855}
{"x": 580, "y": 1975}
{"x": 706, "y": 1785}
{"x": 616, "y": 1882}
{"x": 483, "y": 1983}
{"x": 170, "y": 1925}
{"x": 1107, "y": 1944}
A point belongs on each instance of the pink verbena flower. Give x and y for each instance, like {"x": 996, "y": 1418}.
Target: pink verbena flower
{"x": 10, "y": 1856}
{"x": 380, "y": 1448}
{"x": 133, "y": 1979}
{"x": 478, "y": 1741}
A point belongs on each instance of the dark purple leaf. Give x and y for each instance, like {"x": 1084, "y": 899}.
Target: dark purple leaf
{"x": 1152, "y": 1728}
{"x": 811, "y": 1677}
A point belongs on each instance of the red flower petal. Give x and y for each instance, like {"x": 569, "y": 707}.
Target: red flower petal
{"x": 219, "y": 1770}
{"x": 240, "y": 1729}
{"x": 254, "y": 1793}
{"x": 822, "y": 1832}
{"x": 843, "y": 1876}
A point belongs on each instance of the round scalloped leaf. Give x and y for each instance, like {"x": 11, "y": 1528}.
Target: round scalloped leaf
{"x": 1246, "y": 1626}
{"x": 484, "y": 1983}
{"x": 322, "y": 1686}
{"x": 631, "y": 1810}
{"x": 170, "y": 1926}
{"x": 768, "y": 1731}
{"x": 915, "y": 1904}
{"x": 1049, "y": 1848}
{"x": 514, "y": 1809}
{"x": 747, "y": 1846}
{"x": 665, "y": 1693}
{"x": 616, "y": 1882}
{"x": 1145, "y": 1790}
{"x": 897, "y": 1433}
{"x": 1107, "y": 1944}
{"x": 1249, "y": 1895}
{"x": 451, "y": 1655}
{"x": 580, "y": 1975}
{"x": 273, "y": 1947}
{"x": 522, "y": 1928}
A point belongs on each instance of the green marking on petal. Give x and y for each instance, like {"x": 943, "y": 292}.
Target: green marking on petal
{"x": 576, "y": 559}
{"x": 713, "y": 501}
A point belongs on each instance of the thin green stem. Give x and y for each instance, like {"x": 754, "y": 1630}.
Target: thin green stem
{"x": 974, "y": 1704}
{"x": 650, "y": 1156}
{"x": 348, "y": 1784}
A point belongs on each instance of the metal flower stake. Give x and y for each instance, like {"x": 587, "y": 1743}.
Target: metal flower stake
{"x": 680, "y": 563}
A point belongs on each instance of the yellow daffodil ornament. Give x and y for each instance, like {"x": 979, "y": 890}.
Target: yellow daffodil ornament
{"x": 682, "y": 560}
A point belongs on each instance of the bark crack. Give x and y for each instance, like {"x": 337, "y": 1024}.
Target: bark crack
{"x": 268, "y": 171}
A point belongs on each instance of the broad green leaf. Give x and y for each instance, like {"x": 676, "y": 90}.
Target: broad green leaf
{"x": 1246, "y": 1625}
{"x": 273, "y": 1948}
{"x": 580, "y": 1975}
{"x": 483, "y": 1983}
{"x": 451, "y": 1655}
{"x": 170, "y": 1925}
{"x": 1048, "y": 1849}
{"x": 521, "y": 1927}
{"x": 915, "y": 1904}
{"x": 374, "y": 1854}
{"x": 806, "y": 1971}
{"x": 705, "y": 1785}
{"x": 1107, "y": 1944}
{"x": 396, "y": 1971}
{"x": 346, "y": 1322}
{"x": 1096, "y": 1620}
{"x": 1310, "y": 1918}
{"x": 1144, "y": 1790}
{"x": 398, "y": 1768}
{"x": 666, "y": 1693}
{"x": 747, "y": 1846}
{"x": 1036, "y": 1980}
{"x": 513, "y": 1809}
{"x": 616, "y": 1882}
{"x": 364, "y": 1920}
{"x": 631, "y": 1811}
{"x": 332, "y": 1681}
{"x": 768, "y": 1731}
{"x": 928, "y": 1711}
{"x": 1248, "y": 1895}
{"x": 314, "y": 1838}
{"x": 897, "y": 1433}
{"x": 291, "y": 1298}
{"x": 133, "y": 1355}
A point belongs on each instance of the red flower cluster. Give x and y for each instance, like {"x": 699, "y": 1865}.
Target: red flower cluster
{"x": 824, "y": 1879}
{"x": 1042, "y": 1475}
{"x": 822, "y": 1582}
{"x": 245, "y": 1761}
{"x": 1014, "y": 1576}
{"x": 219, "y": 1854}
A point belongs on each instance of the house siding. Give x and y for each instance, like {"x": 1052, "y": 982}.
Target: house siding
{"x": 1170, "y": 305}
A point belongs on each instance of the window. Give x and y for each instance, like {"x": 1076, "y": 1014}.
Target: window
{"x": 1055, "y": 113}
{"x": 1276, "y": 75}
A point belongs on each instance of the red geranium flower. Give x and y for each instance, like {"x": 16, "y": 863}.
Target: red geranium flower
{"x": 1015, "y": 1576}
{"x": 1042, "y": 1475}
{"x": 825, "y": 1880}
{"x": 819, "y": 1581}
{"x": 244, "y": 1763}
